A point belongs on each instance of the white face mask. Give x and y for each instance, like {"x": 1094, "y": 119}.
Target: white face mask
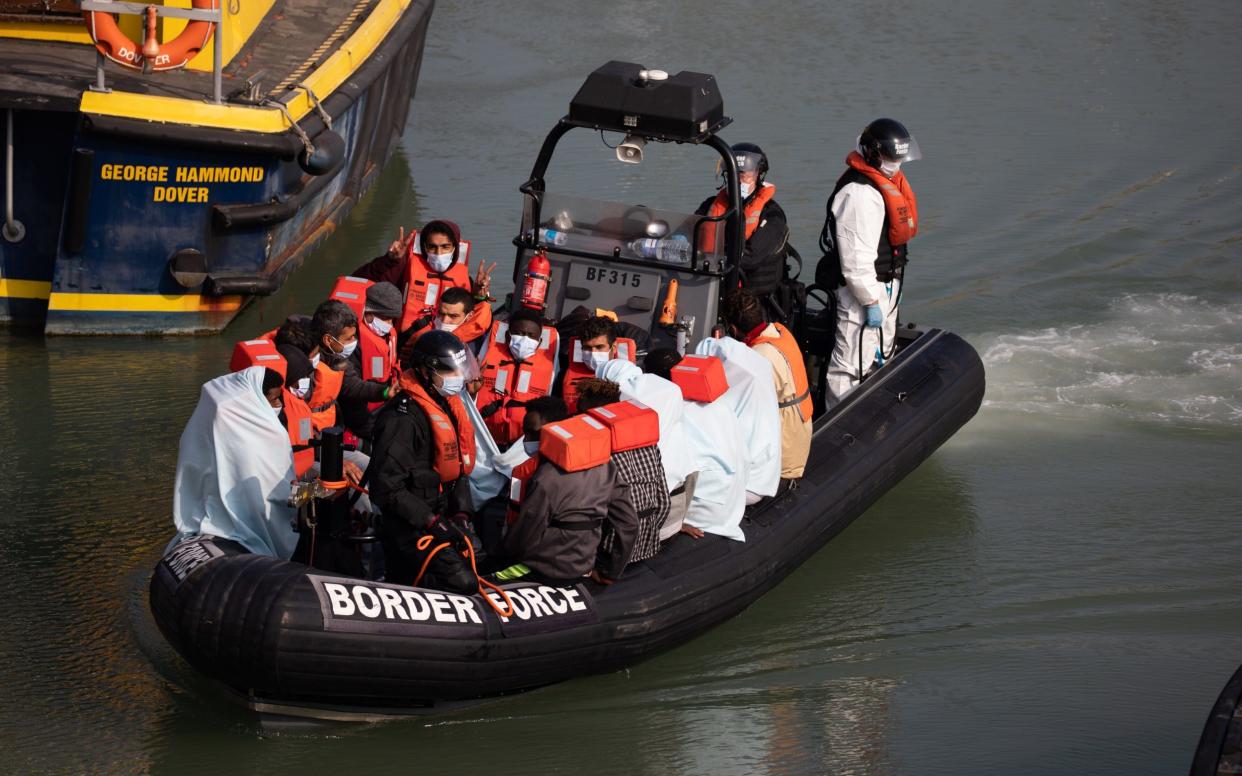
{"x": 380, "y": 327}
{"x": 890, "y": 168}
{"x": 303, "y": 388}
{"x": 746, "y": 188}
{"x": 530, "y": 447}
{"x": 440, "y": 261}
{"x": 278, "y": 409}
{"x": 315, "y": 361}
{"x": 348, "y": 350}
{"x": 522, "y": 347}
{"x": 594, "y": 359}
{"x": 442, "y": 326}
{"x": 451, "y": 385}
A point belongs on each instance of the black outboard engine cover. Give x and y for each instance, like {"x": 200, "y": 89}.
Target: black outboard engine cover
{"x": 684, "y": 107}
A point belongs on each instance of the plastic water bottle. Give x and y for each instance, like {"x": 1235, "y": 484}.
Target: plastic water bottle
{"x": 670, "y": 250}
{"x": 552, "y": 237}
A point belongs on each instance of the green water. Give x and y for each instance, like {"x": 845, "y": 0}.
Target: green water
{"x": 1055, "y": 591}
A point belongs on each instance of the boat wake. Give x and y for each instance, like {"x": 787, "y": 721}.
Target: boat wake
{"x": 1165, "y": 358}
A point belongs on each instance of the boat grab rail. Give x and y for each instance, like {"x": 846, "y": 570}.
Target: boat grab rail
{"x": 14, "y": 231}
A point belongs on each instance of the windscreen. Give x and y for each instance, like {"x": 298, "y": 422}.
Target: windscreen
{"x": 631, "y": 231}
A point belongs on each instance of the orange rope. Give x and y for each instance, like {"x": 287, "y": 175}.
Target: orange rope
{"x": 338, "y": 484}
{"x": 484, "y": 583}
{"x": 425, "y": 541}
{"x": 427, "y": 562}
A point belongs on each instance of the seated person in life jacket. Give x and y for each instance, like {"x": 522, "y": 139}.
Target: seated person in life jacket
{"x": 460, "y": 314}
{"x": 539, "y": 412}
{"x": 331, "y": 552}
{"x": 325, "y": 381}
{"x": 301, "y": 376}
{"x": 423, "y": 453}
{"x": 640, "y": 468}
{"x": 518, "y": 364}
{"x": 767, "y": 234}
{"x": 371, "y": 366}
{"x": 595, "y": 346}
{"x": 425, "y": 264}
{"x": 335, "y": 328}
{"x": 563, "y": 510}
{"x": 744, "y": 316}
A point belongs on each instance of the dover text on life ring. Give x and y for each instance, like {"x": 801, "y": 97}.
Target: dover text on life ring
{"x": 116, "y": 45}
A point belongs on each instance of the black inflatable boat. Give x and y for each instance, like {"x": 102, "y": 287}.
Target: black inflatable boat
{"x": 1220, "y": 745}
{"x": 293, "y": 641}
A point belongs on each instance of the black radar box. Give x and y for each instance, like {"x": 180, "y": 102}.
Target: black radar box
{"x": 686, "y": 107}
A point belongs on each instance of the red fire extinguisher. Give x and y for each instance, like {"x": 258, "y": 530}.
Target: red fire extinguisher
{"x": 535, "y": 287}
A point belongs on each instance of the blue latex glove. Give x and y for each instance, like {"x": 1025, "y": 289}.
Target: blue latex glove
{"x": 875, "y": 316}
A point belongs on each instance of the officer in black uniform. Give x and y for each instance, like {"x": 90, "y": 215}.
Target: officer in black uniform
{"x": 767, "y": 233}
{"x": 405, "y": 483}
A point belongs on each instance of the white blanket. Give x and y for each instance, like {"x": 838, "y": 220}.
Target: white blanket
{"x": 665, "y": 398}
{"x": 752, "y": 397}
{"x": 720, "y": 493}
{"x": 234, "y": 468}
{"x": 492, "y": 467}
{"x": 694, "y": 437}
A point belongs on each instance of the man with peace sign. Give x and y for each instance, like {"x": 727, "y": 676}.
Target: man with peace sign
{"x": 424, "y": 264}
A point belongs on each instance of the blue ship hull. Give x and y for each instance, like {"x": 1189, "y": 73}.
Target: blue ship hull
{"x": 136, "y": 227}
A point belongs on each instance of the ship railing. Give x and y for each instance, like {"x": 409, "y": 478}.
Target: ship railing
{"x": 215, "y": 15}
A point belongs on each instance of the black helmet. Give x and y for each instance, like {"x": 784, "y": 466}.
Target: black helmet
{"x": 441, "y": 351}
{"x": 750, "y": 158}
{"x": 886, "y": 140}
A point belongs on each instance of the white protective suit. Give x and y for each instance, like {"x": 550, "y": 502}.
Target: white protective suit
{"x": 859, "y": 211}
{"x": 234, "y": 468}
{"x": 752, "y": 397}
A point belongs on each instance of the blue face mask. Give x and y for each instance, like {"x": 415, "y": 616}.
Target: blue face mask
{"x": 522, "y": 347}
{"x": 530, "y": 447}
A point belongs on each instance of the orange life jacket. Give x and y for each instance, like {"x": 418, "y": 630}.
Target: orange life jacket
{"x": 301, "y": 430}
{"x": 353, "y": 292}
{"x": 631, "y": 423}
{"x": 513, "y": 384}
{"x": 257, "y": 352}
{"x": 700, "y": 378}
{"x": 517, "y": 486}
{"x": 626, "y": 348}
{"x": 477, "y": 323}
{"x": 899, "y": 202}
{"x": 752, "y": 210}
{"x": 453, "y": 436}
{"x": 322, "y": 401}
{"x": 579, "y": 442}
{"x": 787, "y": 344}
{"x": 378, "y": 356}
{"x": 423, "y": 286}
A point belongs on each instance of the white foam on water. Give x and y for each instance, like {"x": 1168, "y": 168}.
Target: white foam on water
{"x": 1165, "y": 358}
